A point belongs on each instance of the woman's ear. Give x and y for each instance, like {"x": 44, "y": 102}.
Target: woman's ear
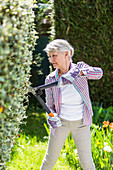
{"x": 66, "y": 53}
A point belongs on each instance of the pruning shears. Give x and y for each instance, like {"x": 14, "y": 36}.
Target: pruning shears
{"x": 37, "y": 91}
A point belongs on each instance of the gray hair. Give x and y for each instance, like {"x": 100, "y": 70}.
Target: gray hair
{"x": 59, "y": 45}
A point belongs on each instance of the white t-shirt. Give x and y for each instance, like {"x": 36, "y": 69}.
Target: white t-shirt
{"x": 72, "y": 103}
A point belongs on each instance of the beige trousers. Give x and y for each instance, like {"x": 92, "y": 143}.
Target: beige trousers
{"x": 82, "y": 138}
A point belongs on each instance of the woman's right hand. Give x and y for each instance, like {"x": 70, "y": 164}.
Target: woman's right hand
{"x": 54, "y": 122}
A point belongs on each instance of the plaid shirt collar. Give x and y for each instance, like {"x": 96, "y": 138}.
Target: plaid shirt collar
{"x": 55, "y": 73}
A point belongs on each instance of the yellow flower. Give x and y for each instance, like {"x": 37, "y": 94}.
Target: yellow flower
{"x": 100, "y": 146}
{"x": 105, "y": 123}
{"x": 1, "y": 109}
{"x": 102, "y": 164}
{"x": 98, "y": 143}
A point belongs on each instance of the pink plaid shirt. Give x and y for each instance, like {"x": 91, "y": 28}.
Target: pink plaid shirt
{"x": 53, "y": 94}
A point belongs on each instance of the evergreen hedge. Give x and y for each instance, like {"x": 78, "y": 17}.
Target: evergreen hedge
{"x": 88, "y": 26}
{"x": 18, "y": 36}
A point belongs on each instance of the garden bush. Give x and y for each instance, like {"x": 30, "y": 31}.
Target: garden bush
{"x": 87, "y": 25}
{"x": 101, "y": 114}
{"x": 18, "y": 37}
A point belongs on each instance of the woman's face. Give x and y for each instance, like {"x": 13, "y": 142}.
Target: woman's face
{"x": 58, "y": 59}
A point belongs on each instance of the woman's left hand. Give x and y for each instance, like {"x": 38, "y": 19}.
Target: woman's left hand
{"x": 54, "y": 122}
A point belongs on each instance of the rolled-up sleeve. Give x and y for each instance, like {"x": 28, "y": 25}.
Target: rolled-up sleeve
{"x": 89, "y": 71}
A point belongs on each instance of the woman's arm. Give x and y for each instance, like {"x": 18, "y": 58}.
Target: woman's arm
{"x": 89, "y": 71}
{"x": 81, "y": 69}
{"x": 49, "y": 97}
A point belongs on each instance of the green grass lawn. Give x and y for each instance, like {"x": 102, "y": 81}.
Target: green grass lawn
{"x": 31, "y": 144}
{"x": 29, "y": 155}
{"x": 29, "y": 149}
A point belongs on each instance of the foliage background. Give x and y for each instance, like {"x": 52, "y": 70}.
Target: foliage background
{"x": 87, "y": 25}
{"x": 18, "y": 36}
{"x": 39, "y": 56}
{"x": 40, "y": 66}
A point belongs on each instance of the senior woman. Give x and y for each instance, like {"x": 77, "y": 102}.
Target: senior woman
{"x": 70, "y": 101}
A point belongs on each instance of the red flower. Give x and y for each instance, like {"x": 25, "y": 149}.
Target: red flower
{"x": 18, "y": 135}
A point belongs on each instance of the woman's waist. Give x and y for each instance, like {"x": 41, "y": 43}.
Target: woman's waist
{"x": 72, "y": 108}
